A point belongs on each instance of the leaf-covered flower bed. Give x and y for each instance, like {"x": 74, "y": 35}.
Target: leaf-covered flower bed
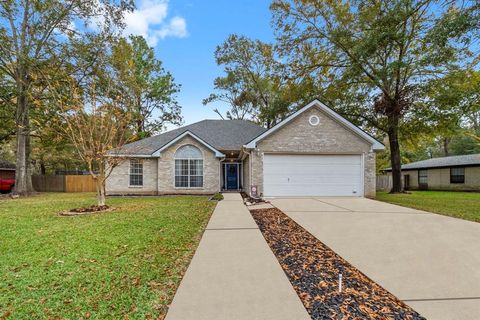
{"x": 314, "y": 269}
{"x": 86, "y": 210}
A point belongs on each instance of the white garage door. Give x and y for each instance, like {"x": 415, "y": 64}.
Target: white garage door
{"x": 312, "y": 175}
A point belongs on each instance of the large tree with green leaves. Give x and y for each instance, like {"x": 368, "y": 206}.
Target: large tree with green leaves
{"x": 376, "y": 54}
{"x": 31, "y": 33}
{"x": 91, "y": 111}
{"x": 255, "y": 85}
{"x": 147, "y": 88}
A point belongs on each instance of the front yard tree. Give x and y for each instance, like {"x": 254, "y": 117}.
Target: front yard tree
{"x": 92, "y": 112}
{"x": 148, "y": 89}
{"x": 95, "y": 122}
{"x": 376, "y": 55}
{"x": 31, "y": 33}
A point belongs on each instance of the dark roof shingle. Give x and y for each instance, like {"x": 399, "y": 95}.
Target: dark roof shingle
{"x": 452, "y": 161}
{"x": 220, "y": 134}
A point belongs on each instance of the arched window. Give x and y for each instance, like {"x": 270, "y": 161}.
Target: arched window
{"x": 188, "y": 167}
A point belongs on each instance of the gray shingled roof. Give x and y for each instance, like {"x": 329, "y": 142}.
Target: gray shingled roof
{"x": 220, "y": 134}
{"x": 6, "y": 165}
{"x": 465, "y": 160}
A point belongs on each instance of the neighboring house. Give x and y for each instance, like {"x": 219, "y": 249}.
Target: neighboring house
{"x": 7, "y": 170}
{"x": 447, "y": 173}
{"x": 313, "y": 152}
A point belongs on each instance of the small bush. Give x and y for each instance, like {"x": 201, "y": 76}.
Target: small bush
{"x": 217, "y": 197}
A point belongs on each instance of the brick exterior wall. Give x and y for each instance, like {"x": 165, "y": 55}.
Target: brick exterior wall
{"x": 159, "y": 174}
{"x": 118, "y": 183}
{"x": 166, "y": 170}
{"x": 328, "y": 137}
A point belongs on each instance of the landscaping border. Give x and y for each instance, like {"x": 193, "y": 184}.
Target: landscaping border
{"x": 314, "y": 271}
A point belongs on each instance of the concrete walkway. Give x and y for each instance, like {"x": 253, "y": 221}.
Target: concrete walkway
{"x": 234, "y": 274}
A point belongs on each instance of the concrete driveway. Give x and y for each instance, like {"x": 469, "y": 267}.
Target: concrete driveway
{"x": 431, "y": 262}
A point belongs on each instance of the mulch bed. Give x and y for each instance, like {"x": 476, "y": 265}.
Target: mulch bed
{"x": 87, "y": 210}
{"x": 313, "y": 269}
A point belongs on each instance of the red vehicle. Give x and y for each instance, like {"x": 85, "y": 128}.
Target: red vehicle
{"x": 6, "y": 185}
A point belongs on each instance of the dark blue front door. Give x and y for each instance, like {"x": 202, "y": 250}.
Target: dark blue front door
{"x": 232, "y": 176}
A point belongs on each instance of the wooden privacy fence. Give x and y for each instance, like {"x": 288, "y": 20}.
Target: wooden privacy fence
{"x": 63, "y": 183}
{"x": 79, "y": 184}
{"x": 384, "y": 182}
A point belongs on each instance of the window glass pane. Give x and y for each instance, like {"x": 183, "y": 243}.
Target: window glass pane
{"x": 196, "y": 181}
{"x": 136, "y": 172}
{"x": 422, "y": 176}
{"x": 188, "y": 167}
{"x": 458, "y": 171}
{"x": 181, "y": 181}
{"x": 457, "y": 175}
{"x": 188, "y": 152}
{"x": 196, "y": 167}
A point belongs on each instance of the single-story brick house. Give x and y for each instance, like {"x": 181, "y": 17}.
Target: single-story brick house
{"x": 7, "y": 170}
{"x": 313, "y": 152}
{"x": 460, "y": 173}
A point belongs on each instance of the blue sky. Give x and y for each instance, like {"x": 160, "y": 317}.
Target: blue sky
{"x": 185, "y": 33}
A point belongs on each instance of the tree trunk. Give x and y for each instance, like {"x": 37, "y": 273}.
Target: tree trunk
{"x": 43, "y": 170}
{"x": 28, "y": 165}
{"x": 446, "y": 142}
{"x": 21, "y": 121}
{"x": 395, "y": 156}
{"x": 100, "y": 191}
{"x": 20, "y": 168}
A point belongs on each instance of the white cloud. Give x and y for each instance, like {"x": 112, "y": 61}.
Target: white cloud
{"x": 150, "y": 21}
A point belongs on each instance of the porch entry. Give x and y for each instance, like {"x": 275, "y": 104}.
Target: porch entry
{"x": 231, "y": 176}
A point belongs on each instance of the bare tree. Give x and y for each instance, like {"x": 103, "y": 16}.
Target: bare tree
{"x": 96, "y": 123}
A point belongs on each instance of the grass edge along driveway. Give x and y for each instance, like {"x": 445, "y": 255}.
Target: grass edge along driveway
{"x": 463, "y": 205}
{"x": 125, "y": 263}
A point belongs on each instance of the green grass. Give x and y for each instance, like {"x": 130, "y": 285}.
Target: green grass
{"x": 463, "y": 205}
{"x": 125, "y": 263}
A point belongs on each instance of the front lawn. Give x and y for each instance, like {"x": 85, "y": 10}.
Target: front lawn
{"x": 463, "y": 205}
{"x": 116, "y": 265}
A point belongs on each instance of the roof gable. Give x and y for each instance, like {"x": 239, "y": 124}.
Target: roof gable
{"x": 335, "y": 116}
{"x": 158, "y": 153}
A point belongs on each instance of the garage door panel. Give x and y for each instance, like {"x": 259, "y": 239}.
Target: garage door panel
{"x": 310, "y": 191}
{"x": 313, "y": 159}
{"x": 278, "y": 169}
{"x": 312, "y": 175}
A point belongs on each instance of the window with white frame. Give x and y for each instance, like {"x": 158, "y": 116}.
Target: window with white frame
{"x": 422, "y": 176}
{"x": 136, "y": 173}
{"x": 188, "y": 167}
